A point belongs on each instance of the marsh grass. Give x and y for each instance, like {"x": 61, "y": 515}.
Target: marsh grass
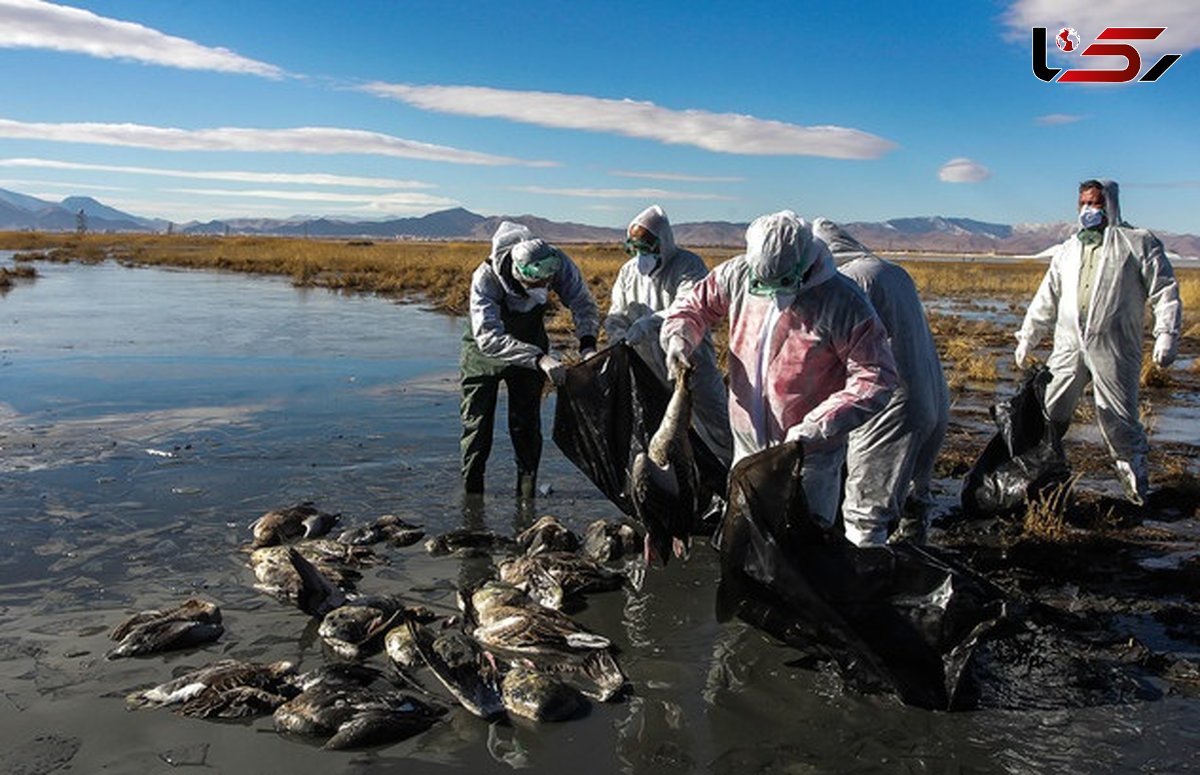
{"x": 1046, "y": 514}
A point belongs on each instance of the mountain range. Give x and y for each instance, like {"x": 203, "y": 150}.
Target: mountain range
{"x": 934, "y": 234}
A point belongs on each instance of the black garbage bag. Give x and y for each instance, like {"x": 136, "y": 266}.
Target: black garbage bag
{"x": 1023, "y": 459}
{"x": 606, "y": 412}
{"x": 897, "y": 618}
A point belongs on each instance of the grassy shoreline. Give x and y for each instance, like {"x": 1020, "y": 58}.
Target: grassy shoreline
{"x": 439, "y": 273}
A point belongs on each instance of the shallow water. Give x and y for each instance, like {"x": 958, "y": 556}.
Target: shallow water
{"x": 148, "y": 416}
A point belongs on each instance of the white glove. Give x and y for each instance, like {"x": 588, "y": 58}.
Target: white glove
{"x": 642, "y": 329}
{"x": 1021, "y": 354}
{"x": 588, "y": 353}
{"x": 679, "y": 356}
{"x": 1165, "y": 350}
{"x": 805, "y": 432}
{"x": 553, "y": 368}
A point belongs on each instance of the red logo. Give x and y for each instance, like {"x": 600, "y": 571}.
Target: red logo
{"x": 1067, "y": 41}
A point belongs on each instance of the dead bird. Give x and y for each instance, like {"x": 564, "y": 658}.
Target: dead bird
{"x": 552, "y": 577}
{"x": 467, "y": 672}
{"x": 282, "y": 526}
{"x": 192, "y": 623}
{"x": 521, "y": 625}
{"x": 664, "y": 480}
{"x": 547, "y": 534}
{"x": 467, "y": 541}
{"x": 352, "y": 717}
{"x": 228, "y": 688}
{"x": 389, "y": 527}
{"x": 357, "y": 629}
{"x": 540, "y": 696}
{"x": 604, "y": 541}
{"x": 338, "y": 563}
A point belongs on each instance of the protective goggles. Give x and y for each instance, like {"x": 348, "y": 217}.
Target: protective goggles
{"x": 542, "y": 268}
{"x": 785, "y": 283}
{"x": 635, "y": 246}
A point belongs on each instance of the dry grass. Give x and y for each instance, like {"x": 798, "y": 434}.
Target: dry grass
{"x": 1046, "y": 515}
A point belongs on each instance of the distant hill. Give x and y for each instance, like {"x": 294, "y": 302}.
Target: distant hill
{"x": 934, "y": 234}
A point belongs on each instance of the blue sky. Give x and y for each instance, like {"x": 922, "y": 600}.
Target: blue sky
{"x": 588, "y": 111}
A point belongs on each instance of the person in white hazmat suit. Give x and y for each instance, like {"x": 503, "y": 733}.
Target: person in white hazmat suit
{"x": 507, "y": 342}
{"x": 809, "y": 359}
{"x": 657, "y": 273}
{"x": 1093, "y": 297}
{"x": 890, "y": 457}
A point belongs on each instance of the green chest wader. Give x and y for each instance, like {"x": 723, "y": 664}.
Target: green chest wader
{"x": 481, "y": 378}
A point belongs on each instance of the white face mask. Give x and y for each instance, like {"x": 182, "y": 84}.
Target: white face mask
{"x": 783, "y": 300}
{"x": 538, "y": 295}
{"x": 647, "y": 263}
{"x": 1090, "y": 216}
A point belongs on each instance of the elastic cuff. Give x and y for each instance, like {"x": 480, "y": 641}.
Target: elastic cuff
{"x": 587, "y": 343}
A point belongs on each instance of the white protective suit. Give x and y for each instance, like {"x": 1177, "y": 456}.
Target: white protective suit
{"x": 816, "y": 361}
{"x": 890, "y": 457}
{"x": 644, "y": 299}
{"x": 1106, "y": 348}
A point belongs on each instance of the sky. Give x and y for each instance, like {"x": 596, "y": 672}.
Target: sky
{"x": 590, "y": 111}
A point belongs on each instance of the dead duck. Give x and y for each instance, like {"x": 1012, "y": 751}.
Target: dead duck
{"x": 547, "y": 534}
{"x": 357, "y": 629}
{"x": 228, "y": 688}
{"x": 465, "y": 541}
{"x": 518, "y": 624}
{"x": 468, "y": 673}
{"x": 352, "y": 717}
{"x": 282, "y": 526}
{"x": 278, "y": 577}
{"x": 552, "y": 577}
{"x": 192, "y": 623}
{"x": 604, "y": 541}
{"x": 539, "y": 696}
{"x": 664, "y": 480}
{"x": 389, "y": 527}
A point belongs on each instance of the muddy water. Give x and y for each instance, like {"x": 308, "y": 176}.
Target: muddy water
{"x": 147, "y": 416}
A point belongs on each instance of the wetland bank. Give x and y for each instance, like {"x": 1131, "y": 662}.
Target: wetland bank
{"x": 150, "y": 414}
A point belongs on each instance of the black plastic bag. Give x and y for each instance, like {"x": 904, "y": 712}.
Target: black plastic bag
{"x": 607, "y": 410}
{"x": 896, "y": 618}
{"x": 1023, "y": 459}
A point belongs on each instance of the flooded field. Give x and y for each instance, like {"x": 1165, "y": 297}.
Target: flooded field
{"x": 148, "y": 416}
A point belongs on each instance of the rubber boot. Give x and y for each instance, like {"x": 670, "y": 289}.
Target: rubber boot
{"x": 526, "y": 486}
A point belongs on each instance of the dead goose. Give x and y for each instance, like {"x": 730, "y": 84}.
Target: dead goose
{"x": 539, "y": 696}
{"x": 663, "y": 480}
{"x": 228, "y": 688}
{"x": 281, "y": 526}
{"x": 192, "y": 623}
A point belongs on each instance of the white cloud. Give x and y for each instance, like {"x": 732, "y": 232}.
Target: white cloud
{"x": 1090, "y": 17}
{"x": 35, "y": 24}
{"x": 617, "y": 193}
{"x": 963, "y": 170}
{"x": 384, "y": 202}
{"x": 675, "y": 176}
{"x": 721, "y": 132}
{"x": 319, "y": 140}
{"x": 414, "y": 203}
{"x": 70, "y": 187}
{"x": 234, "y": 176}
{"x": 1057, "y": 119}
